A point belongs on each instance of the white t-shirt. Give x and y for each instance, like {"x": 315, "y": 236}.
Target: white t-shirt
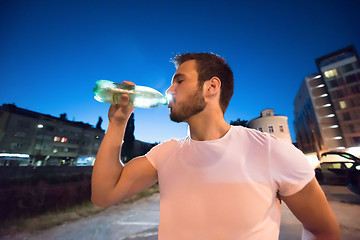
{"x": 226, "y": 188}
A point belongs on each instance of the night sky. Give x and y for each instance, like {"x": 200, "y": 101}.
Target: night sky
{"x": 53, "y": 52}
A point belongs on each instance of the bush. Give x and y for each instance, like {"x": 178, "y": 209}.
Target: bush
{"x": 37, "y": 193}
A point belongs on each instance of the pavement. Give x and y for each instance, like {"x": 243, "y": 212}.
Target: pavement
{"x": 139, "y": 221}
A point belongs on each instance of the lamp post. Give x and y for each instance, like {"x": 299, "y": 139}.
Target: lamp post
{"x": 39, "y": 156}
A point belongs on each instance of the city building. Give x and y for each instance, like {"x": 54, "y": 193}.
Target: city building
{"x": 274, "y": 124}
{"x": 32, "y": 138}
{"x": 327, "y": 105}
{"x": 308, "y": 137}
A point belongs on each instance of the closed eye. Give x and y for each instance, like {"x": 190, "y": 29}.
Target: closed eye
{"x": 178, "y": 78}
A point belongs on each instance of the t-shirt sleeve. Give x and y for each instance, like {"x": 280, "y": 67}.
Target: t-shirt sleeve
{"x": 160, "y": 153}
{"x": 151, "y": 155}
{"x": 290, "y": 168}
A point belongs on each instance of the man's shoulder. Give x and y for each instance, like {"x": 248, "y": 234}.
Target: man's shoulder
{"x": 249, "y": 134}
{"x": 171, "y": 143}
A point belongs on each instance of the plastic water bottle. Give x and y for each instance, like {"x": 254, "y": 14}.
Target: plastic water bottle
{"x": 139, "y": 96}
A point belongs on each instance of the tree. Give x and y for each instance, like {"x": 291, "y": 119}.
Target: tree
{"x": 239, "y": 122}
{"x": 127, "y": 149}
{"x": 131, "y": 147}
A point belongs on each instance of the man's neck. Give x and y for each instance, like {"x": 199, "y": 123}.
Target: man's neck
{"x": 203, "y": 128}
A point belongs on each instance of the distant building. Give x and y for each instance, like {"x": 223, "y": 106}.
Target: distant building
{"x": 327, "y": 106}
{"x": 308, "y": 137}
{"x": 274, "y": 124}
{"x": 44, "y": 139}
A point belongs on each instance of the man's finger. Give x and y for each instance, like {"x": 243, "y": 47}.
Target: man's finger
{"x": 128, "y": 83}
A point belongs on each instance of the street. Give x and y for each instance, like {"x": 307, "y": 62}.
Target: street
{"x": 139, "y": 221}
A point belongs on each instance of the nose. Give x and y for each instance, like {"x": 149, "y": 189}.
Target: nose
{"x": 170, "y": 90}
{"x": 170, "y": 93}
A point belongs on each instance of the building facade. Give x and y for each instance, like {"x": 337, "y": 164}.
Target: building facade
{"x": 274, "y": 124}
{"x": 308, "y": 137}
{"x": 45, "y": 139}
{"x": 327, "y": 106}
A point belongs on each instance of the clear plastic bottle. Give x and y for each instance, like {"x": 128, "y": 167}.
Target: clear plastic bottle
{"x": 139, "y": 96}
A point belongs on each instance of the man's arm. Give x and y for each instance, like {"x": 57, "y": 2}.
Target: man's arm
{"x": 312, "y": 209}
{"x": 111, "y": 181}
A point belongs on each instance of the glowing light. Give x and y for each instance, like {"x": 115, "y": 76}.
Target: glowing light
{"x": 40, "y": 126}
{"x": 317, "y": 76}
{"x": 17, "y": 155}
{"x": 330, "y": 73}
{"x": 354, "y": 151}
{"x": 326, "y": 105}
{"x": 324, "y": 95}
{"x": 334, "y": 126}
{"x": 338, "y": 137}
{"x": 340, "y": 148}
{"x": 330, "y": 115}
{"x": 321, "y": 85}
{"x": 342, "y": 104}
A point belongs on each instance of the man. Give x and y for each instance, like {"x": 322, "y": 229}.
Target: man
{"x": 221, "y": 182}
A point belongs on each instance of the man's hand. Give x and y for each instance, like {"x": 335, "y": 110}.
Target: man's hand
{"x": 111, "y": 181}
{"x": 120, "y": 113}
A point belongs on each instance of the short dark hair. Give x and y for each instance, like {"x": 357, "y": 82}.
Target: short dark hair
{"x": 209, "y": 65}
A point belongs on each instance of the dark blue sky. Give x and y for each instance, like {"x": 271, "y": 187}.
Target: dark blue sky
{"x": 52, "y": 52}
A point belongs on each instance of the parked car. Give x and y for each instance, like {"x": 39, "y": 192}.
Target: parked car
{"x": 340, "y": 168}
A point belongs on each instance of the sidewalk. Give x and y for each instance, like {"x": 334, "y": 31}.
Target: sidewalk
{"x": 139, "y": 221}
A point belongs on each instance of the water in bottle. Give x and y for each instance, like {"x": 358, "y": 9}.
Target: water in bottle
{"x": 139, "y": 96}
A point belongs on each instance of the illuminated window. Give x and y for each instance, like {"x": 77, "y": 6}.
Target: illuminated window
{"x": 330, "y": 73}
{"x": 342, "y": 104}
{"x": 63, "y": 139}
{"x": 57, "y": 139}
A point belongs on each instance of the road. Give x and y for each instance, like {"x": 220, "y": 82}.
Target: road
{"x": 139, "y": 221}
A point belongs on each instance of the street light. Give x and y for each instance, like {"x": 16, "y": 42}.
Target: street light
{"x": 39, "y": 156}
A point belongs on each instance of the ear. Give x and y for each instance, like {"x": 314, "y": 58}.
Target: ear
{"x": 212, "y": 87}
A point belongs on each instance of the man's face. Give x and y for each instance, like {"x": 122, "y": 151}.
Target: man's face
{"x": 187, "y": 98}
